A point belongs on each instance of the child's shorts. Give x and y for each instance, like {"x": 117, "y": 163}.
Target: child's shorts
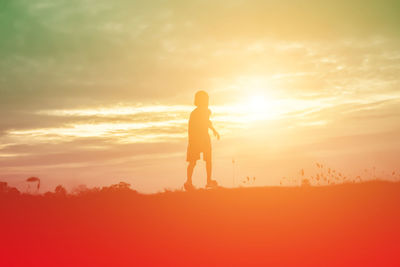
{"x": 193, "y": 153}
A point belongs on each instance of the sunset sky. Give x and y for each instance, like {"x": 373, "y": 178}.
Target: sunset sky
{"x": 96, "y": 92}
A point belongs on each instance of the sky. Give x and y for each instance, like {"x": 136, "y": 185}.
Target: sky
{"x": 97, "y": 92}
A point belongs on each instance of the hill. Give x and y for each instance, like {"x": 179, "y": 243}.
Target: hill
{"x": 348, "y": 224}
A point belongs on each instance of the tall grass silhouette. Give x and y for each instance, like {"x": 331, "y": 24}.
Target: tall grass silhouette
{"x": 323, "y": 175}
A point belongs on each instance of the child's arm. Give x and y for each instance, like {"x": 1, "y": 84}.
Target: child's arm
{"x": 210, "y": 125}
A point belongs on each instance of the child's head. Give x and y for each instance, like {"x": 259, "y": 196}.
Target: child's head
{"x": 201, "y": 99}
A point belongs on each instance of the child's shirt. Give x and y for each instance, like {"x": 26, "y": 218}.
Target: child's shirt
{"x": 199, "y": 122}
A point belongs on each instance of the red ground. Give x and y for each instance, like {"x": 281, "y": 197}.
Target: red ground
{"x": 344, "y": 225}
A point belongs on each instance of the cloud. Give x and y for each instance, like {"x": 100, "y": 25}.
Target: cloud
{"x": 62, "y": 53}
{"x": 84, "y": 153}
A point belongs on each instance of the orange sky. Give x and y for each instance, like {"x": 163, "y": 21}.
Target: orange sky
{"x": 95, "y": 92}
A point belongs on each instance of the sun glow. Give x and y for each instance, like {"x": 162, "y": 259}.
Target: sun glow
{"x": 257, "y": 104}
{"x": 260, "y": 107}
{"x": 257, "y": 107}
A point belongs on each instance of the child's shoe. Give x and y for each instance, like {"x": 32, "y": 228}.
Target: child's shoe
{"x": 212, "y": 184}
{"x": 189, "y": 186}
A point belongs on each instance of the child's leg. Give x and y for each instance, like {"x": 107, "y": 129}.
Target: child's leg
{"x": 209, "y": 170}
{"x": 190, "y": 171}
{"x": 207, "y": 159}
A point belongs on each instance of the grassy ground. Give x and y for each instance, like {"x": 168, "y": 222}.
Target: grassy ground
{"x": 351, "y": 224}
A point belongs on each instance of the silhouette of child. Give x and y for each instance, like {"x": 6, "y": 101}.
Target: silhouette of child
{"x": 199, "y": 139}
